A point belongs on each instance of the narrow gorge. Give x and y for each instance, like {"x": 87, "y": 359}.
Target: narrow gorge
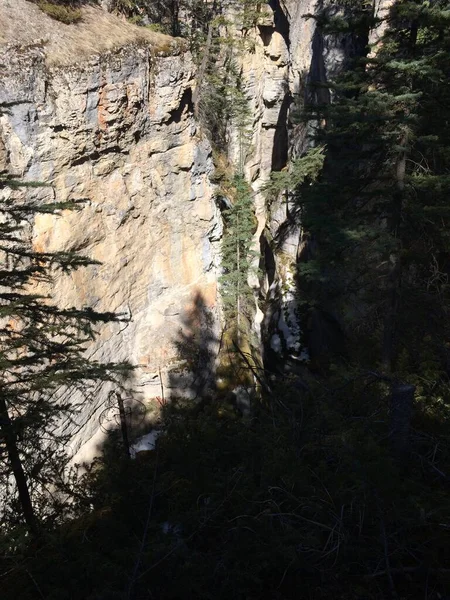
{"x": 224, "y": 299}
{"x": 104, "y": 114}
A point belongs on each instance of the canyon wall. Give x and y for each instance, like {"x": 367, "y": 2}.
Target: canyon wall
{"x": 103, "y": 112}
{"x": 115, "y": 130}
{"x": 286, "y": 54}
{"x": 289, "y": 59}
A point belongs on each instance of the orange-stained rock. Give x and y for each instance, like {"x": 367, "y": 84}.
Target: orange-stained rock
{"x": 104, "y": 132}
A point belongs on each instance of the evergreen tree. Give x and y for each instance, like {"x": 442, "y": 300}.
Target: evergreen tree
{"x": 305, "y": 498}
{"x": 42, "y": 354}
{"x": 223, "y": 108}
{"x": 379, "y": 212}
{"x": 237, "y": 256}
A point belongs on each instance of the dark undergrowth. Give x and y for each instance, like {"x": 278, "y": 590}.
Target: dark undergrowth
{"x": 300, "y": 499}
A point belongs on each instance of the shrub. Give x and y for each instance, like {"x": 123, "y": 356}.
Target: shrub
{"x": 157, "y": 28}
{"x": 65, "y": 14}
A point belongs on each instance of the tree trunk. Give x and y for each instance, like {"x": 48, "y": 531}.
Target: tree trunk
{"x": 238, "y": 291}
{"x": 123, "y": 425}
{"x": 401, "y": 407}
{"x": 390, "y": 317}
{"x": 15, "y": 462}
{"x": 395, "y": 272}
{"x": 202, "y": 70}
{"x": 175, "y": 15}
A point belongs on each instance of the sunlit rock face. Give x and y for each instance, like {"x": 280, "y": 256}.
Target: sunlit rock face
{"x": 116, "y": 131}
{"x": 103, "y": 111}
{"x": 288, "y": 57}
{"x": 275, "y": 73}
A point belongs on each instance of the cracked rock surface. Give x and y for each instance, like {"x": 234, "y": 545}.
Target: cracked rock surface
{"x": 116, "y": 132}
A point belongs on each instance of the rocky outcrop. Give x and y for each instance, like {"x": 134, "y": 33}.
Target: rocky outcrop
{"x": 275, "y": 74}
{"x": 288, "y": 56}
{"x": 103, "y": 111}
{"x": 116, "y": 131}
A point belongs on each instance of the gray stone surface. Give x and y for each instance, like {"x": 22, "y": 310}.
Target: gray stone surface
{"x": 118, "y": 133}
{"x": 104, "y": 115}
{"x": 287, "y": 53}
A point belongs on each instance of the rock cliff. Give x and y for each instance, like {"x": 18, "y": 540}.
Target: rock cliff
{"x": 103, "y": 111}
{"x": 289, "y": 57}
{"x": 113, "y": 127}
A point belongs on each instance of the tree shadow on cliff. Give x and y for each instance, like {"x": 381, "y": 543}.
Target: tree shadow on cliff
{"x": 197, "y": 346}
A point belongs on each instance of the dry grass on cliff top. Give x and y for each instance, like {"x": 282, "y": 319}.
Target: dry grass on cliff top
{"x": 22, "y": 22}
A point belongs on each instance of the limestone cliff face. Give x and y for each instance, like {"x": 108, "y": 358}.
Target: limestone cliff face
{"x": 285, "y": 49}
{"x": 288, "y": 53}
{"x": 103, "y": 111}
{"x": 116, "y": 131}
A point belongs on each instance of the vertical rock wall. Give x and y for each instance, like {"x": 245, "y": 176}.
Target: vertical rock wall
{"x": 117, "y": 132}
{"x": 288, "y": 54}
{"x": 276, "y": 72}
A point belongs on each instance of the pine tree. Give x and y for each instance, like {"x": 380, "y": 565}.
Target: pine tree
{"x": 42, "y": 353}
{"x": 379, "y": 212}
{"x": 237, "y": 256}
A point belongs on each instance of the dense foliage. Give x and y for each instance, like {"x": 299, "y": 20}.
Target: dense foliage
{"x": 237, "y": 256}
{"x": 379, "y": 213}
{"x": 65, "y": 11}
{"x": 300, "y": 500}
